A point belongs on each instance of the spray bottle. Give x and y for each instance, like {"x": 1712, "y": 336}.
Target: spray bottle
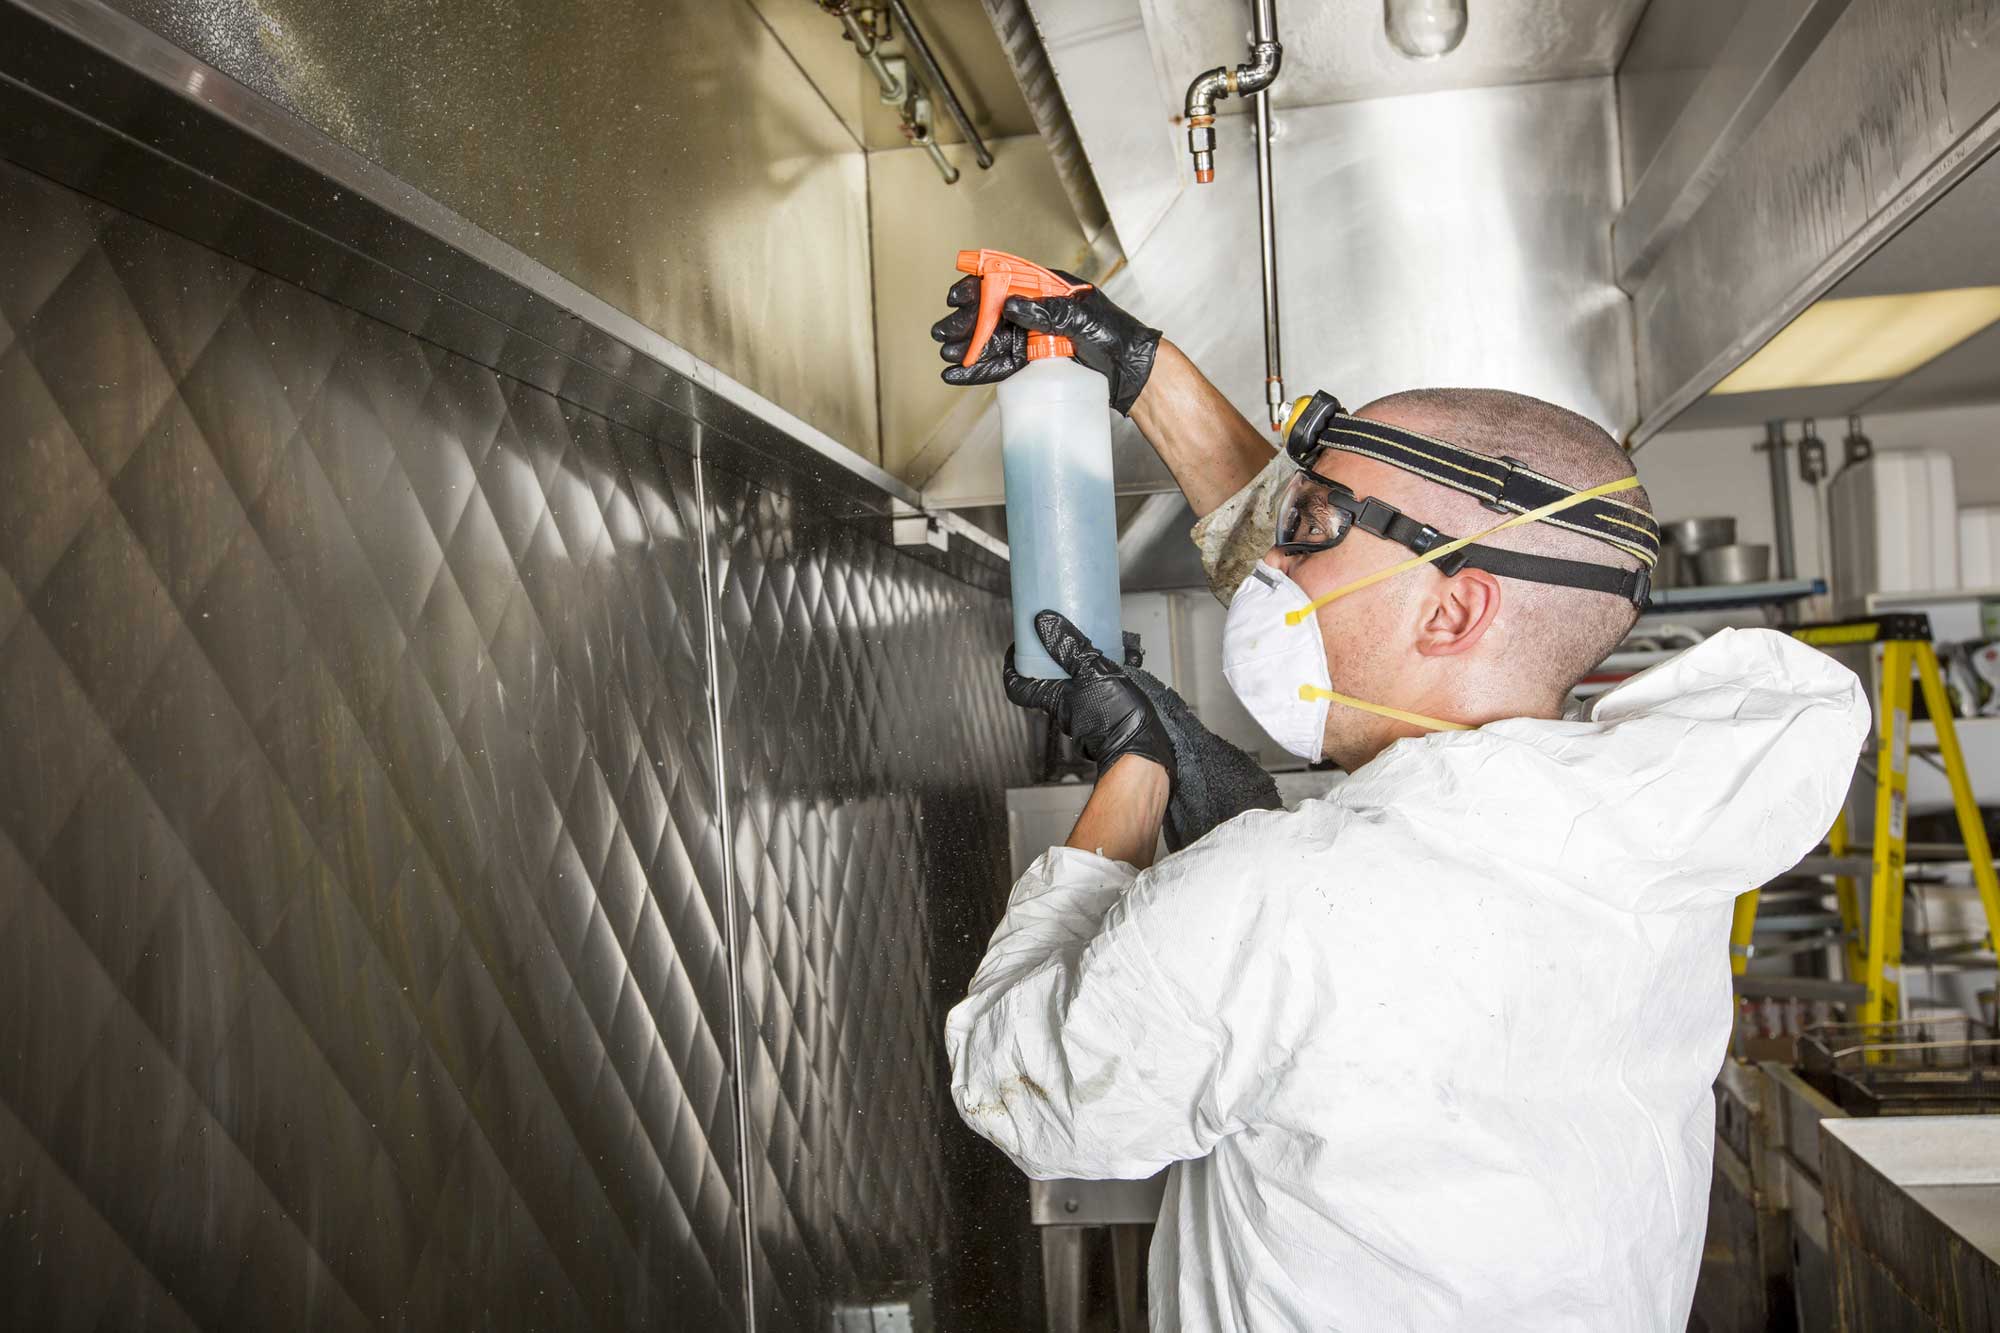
{"x": 1055, "y": 434}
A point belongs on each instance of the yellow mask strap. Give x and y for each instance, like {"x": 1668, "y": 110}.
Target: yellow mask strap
{"x": 1532, "y": 516}
{"x": 1313, "y": 693}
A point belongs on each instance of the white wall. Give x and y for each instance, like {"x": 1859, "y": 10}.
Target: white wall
{"x": 1182, "y": 632}
{"x": 1700, "y": 472}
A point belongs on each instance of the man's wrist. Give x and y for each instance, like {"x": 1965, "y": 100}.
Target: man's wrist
{"x": 1138, "y": 769}
{"x": 1139, "y": 782}
{"x": 1122, "y": 818}
{"x": 1142, "y": 406}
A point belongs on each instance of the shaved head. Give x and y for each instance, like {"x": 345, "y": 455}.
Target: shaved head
{"x": 1470, "y": 647}
{"x": 1560, "y": 634}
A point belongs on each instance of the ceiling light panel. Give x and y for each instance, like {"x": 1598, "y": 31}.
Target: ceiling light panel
{"x": 1862, "y": 339}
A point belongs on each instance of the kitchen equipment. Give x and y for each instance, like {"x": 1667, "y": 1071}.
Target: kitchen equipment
{"x": 1692, "y": 536}
{"x": 1894, "y": 520}
{"x": 1672, "y": 569}
{"x": 1938, "y": 1064}
{"x": 1979, "y": 546}
{"x": 1734, "y": 564}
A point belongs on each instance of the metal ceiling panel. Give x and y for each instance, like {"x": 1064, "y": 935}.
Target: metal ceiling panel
{"x": 1014, "y": 25}
{"x": 1339, "y": 51}
{"x": 1953, "y": 243}
{"x": 1764, "y": 50}
{"x": 1672, "y": 50}
{"x": 1948, "y": 245}
{"x": 1423, "y": 241}
{"x": 1898, "y": 102}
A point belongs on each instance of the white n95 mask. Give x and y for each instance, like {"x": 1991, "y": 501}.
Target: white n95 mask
{"x": 1275, "y": 660}
{"x": 1266, "y": 657}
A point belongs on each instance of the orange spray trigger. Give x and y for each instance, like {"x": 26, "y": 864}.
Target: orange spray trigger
{"x": 1002, "y": 275}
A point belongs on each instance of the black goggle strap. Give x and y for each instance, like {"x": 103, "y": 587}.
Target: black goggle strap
{"x": 1502, "y": 484}
{"x": 1634, "y": 585}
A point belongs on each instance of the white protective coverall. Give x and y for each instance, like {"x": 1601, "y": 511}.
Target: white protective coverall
{"x": 1434, "y": 1051}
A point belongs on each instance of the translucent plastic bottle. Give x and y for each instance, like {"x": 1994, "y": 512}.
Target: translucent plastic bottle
{"x": 1062, "y": 519}
{"x": 1055, "y": 431}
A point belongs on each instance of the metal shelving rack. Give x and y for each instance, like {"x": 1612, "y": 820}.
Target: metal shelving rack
{"x": 1730, "y": 596}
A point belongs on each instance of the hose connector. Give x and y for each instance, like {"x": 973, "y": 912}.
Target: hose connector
{"x": 1212, "y": 86}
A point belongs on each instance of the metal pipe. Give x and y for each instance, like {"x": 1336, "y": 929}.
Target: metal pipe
{"x": 1252, "y": 80}
{"x": 930, "y": 145}
{"x": 1781, "y": 498}
{"x": 1211, "y": 86}
{"x": 1264, "y": 26}
{"x": 1207, "y": 89}
{"x": 896, "y": 88}
{"x": 920, "y": 50}
{"x": 1267, "y": 238}
{"x": 864, "y": 43}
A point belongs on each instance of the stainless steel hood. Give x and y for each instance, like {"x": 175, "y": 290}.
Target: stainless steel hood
{"x": 1950, "y": 246}
{"x": 1895, "y": 104}
{"x": 1449, "y": 237}
{"x": 1495, "y": 218}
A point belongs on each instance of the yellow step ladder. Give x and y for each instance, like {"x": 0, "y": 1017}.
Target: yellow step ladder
{"x": 1873, "y": 941}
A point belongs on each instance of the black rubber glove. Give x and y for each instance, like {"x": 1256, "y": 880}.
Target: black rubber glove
{"x": 1099, "y": 707}
{"x": 1108, "y": 340}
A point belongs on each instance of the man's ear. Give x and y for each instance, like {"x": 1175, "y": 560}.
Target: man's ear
{"x": 1461, "y": 609}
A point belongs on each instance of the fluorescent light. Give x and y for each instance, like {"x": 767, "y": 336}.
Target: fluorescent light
{"x": 1860, "y": 339}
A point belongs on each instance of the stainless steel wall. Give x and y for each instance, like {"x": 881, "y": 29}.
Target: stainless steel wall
{"x": 863, "y": 743}
{"x": 365, "y": 875}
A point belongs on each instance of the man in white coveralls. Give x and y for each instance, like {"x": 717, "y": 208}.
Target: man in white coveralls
{"x": 1434, "y": 1051}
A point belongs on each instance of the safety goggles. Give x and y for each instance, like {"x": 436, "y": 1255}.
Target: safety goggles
{"x": 1314, "y": 513}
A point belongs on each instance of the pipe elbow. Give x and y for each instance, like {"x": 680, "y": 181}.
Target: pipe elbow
{"x": 1265, "y": 60}
{"x": 1208, "y": 88}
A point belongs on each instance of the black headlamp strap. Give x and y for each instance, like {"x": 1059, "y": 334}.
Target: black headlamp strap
{"x": 1503, "y": 484}
{"x": 1634, "y": 585}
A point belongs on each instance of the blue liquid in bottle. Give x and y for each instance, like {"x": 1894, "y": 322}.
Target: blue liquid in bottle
{"x": 1062, "y": 518}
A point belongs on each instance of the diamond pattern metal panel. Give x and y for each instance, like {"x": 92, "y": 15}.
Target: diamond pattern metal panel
{"x": 360, "y": 947}
{"x": 868, "y": 750}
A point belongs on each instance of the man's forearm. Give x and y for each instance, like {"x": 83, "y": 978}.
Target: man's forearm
{"x": 1211, "y": 448}
{"x": 1121, "y": 820}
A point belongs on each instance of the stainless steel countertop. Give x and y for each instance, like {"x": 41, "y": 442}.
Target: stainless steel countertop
{"x": 1949, "y": 1164}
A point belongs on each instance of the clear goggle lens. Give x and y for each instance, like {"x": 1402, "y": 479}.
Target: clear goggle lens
{"x": 1310, "y": 515}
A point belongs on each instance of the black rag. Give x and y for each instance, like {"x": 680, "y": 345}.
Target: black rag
{"x": 1213, "y": 780}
